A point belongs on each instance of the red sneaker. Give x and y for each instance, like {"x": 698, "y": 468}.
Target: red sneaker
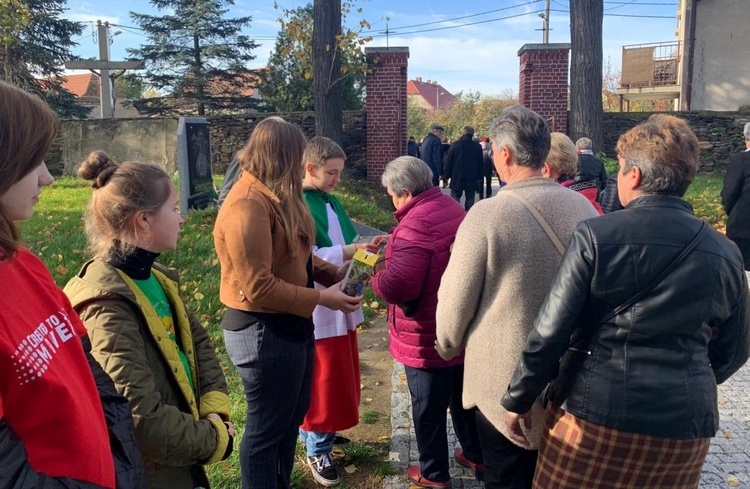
{"x": 415, "y": 475}
{"x": 462, "y": 460}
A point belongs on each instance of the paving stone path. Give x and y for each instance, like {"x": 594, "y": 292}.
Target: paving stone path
{"x": 727, "y": 464}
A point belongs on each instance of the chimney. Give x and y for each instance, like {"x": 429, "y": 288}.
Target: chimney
{"x": 419, "y": 79}
{"x": 429, "y": 82}
{"x": 434, "y": 82}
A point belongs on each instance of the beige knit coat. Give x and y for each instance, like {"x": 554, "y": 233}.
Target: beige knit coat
{"x": 501, "y": 269}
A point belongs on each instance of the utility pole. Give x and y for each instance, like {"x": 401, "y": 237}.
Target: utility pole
{"x": 104, "y": 65}
{"x": 545, "y": 25}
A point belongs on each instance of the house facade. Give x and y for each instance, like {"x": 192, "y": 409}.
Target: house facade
{"x": 704, "y": 69}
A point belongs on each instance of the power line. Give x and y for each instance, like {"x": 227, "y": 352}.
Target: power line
{"x": 460, "y": 25}
{"x": 131, "y": 29}
{"x": 467, "y": 16}
{"x": 626, "y": 15}
{"x": 621, "y": 5}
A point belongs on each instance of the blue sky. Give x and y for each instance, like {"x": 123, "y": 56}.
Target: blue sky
{"x": 463, "y": 45}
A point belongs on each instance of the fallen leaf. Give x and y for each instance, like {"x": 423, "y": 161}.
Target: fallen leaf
{"x": 350, "y": 469}
{"x": 374, "y": 304}
{"x": 728, "y": 435}
{"x": 215, "y": 262}
{"x": 406, "y": 425}
{"x": 368, "y": 399}
{"x": 198, "y": 296}
{"x": 733, "y": 481}
{"x": 377, "y": 382}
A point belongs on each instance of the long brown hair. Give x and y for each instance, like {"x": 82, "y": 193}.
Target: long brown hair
{"x": 120, "y": 192}
{"x": 27, "y": 128}
{"x": 273, "y": 154}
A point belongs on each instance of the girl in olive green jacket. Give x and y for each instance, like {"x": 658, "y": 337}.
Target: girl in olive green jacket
{"x": 155, "y": 350}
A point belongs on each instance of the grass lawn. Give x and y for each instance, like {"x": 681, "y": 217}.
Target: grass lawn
{"x": 55, "y": 233}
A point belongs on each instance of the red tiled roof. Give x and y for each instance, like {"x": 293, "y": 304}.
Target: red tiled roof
{"x": 429, "y": 92}
{"x": 86, "y": 84}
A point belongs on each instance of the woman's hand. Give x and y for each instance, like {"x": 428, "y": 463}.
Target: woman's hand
{"x": 228, "y": 424}
{"x": 380, "y": 239}
{"x": 513, "y": 424}
{"x": 334, "y": 298}
{"x": 341, "y": 272}
{"x": 371, "y": 247}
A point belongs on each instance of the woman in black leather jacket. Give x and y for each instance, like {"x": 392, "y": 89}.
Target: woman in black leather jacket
{"x": 635, "y": 399}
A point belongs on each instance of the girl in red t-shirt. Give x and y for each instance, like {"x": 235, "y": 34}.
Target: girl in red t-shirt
{"x": 53, "y": 431}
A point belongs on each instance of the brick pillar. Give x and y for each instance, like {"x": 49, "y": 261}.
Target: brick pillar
{"x": 543, "y": 82}
{"x": 386, "y": 107}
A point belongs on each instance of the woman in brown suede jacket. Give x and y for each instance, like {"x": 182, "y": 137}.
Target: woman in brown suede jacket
{"x": 264, "y": 236}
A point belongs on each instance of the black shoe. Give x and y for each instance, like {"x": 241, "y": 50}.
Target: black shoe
{"x": 323, "y": 470}
{"x": 341, "y": 441}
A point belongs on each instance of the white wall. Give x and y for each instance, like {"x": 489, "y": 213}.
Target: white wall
{"x": 721, "y": 63}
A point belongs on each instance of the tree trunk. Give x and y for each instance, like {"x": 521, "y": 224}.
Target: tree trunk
{"x": 586, "y": 17}
{"x": 327, "y": 68}
{"x": 198, "y": 71}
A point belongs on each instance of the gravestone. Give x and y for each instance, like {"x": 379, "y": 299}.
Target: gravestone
{"x": 194, "y": 164}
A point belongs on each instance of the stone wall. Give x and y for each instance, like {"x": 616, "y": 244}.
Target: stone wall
{"x": 154, "y": 140}
{"x": 229, "y": 134}
{"x": 719, "y": 133}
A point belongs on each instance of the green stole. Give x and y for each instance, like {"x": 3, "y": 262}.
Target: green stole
{"x": 317, "y": 202}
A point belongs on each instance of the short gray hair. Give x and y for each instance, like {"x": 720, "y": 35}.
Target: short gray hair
{"x": 525, "y": 133}
{"x": 746, "y": 131}
{"x": 407, "y": 173}
{"x": 584, "y": 143}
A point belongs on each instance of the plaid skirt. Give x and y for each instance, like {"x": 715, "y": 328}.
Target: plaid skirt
{"x": 577, "y": 454}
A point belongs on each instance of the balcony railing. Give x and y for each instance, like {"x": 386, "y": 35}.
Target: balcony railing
{"x": 650, "y": 65}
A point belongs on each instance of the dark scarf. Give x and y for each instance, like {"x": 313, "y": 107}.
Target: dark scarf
{"x": 136, "y": 264}
{"x": 317, "y": 202}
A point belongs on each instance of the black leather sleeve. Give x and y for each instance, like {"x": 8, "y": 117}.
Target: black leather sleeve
{"x": 129, "y": 467}
{"x": 554, "y": 325}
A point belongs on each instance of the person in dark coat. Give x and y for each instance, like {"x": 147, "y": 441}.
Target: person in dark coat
{"x": 589, "y": 166}
{"x": 609, "y": 198}
{"x": 432, "y": 152}
{"x": 735, "y": 197}
{"x": 464, "y": 166}
{"x": 412, "y": 148}
{"x": 487, "y": 169}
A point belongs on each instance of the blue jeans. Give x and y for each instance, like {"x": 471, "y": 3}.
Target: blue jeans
{"x": 277, "y": 376}
{"x": 317, "y": 443}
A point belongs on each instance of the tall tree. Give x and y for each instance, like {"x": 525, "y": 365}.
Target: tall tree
{"x": 34, "y": 45}
{"x": 586, "y": 19}
{"x": 288, "y": 80}
{"x": 197, "y": 55}
{"x": 327, "y": 68}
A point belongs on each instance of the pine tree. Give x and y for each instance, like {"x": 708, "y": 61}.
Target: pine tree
{"x": 34, "y": 45}
{"x": 197, "y": 56}
{"x": 288, "y": 82}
